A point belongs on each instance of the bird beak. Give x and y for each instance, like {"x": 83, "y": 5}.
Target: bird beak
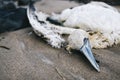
{"x": 86, "y": 50}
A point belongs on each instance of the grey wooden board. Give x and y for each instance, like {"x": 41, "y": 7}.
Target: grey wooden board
{"x": 30, "y": 58}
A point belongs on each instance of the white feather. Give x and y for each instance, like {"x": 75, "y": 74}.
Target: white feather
{"x": 97, "y": 21}
{"x": 98, "y": 18}
{"x": 44, "y": 28}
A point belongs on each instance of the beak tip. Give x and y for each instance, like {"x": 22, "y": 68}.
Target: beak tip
{"x": 98, "y": 69}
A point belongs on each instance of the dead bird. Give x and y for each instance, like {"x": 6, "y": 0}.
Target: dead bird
{"x": 52, "y": 34}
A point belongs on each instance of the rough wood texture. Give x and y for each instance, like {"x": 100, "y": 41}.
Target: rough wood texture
{"x": 30, "y": 58}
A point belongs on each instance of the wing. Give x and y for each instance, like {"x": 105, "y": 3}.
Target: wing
{"x": 42, "y": 27}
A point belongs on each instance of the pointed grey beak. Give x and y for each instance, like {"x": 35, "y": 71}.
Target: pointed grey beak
{"x": 86, "y": 50}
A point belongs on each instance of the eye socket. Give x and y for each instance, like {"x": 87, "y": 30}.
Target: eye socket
{"x": 91, "y": 34}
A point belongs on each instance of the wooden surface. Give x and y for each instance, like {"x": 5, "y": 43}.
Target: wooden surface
{"x": 27, "y": 57}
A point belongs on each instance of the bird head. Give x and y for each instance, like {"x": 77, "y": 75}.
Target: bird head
{"x": 79, "y": 40}
{"x": 76, "y": 39}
